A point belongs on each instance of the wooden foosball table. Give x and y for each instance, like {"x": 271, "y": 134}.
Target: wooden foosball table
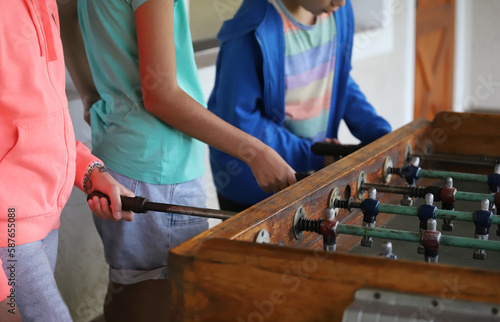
{"x": 256, "y": 266}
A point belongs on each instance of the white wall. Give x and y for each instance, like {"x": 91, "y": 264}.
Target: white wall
{"x": 387, "y": 78}
{"x": 480, "y": 42}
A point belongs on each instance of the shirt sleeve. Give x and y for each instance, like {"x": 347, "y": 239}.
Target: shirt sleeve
{"x": 4, "y": 287}
{"x": 137, "y": 3}
{"x": 361, "y": 117}
{"x": 83, "y": 159}
{"x": 238, "y": 98}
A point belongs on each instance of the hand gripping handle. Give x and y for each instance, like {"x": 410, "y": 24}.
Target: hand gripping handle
{"x": 135, "y": 204}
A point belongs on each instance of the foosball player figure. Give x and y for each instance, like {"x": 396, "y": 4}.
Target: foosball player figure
{"x": 494, "y": 180}
{"x": 328, "y": 229}
{"x": 387, "y": 251}
{"x": 447, "y": 196}
{"x": 369, "y": 207}
{"x": 430, "y": 240}
{"x": 482, "y": 220}
{"x": 410, "y": 173}
{"x": 495, "y": 207}
{"x": 426, "y": 212}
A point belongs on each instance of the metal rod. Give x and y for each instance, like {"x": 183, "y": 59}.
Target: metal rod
{"x": 142, "y": 205}
{"x": 386, "y": 188}
{"x": 440, "y": 213}
{"x": 473, "y": 196}
{"x": 415, "y": 237}
{"x": 458, "y": 176}
{"x": 420, "y": 192}
{"x": 471, "y": 160}
{"x": 189, "y": 211}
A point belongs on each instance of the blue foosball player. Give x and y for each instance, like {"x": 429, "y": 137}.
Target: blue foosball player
{"x": 387, "y": 251}
{"x": 369, "y": 207}
{"x": 410, "y": 172}
{"x": 426, "y": 212}
{"x": 494, "y": 180}
{"x": 482, "y": 221}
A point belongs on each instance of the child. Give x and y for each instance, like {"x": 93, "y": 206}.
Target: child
{"x": 283, "y": 76}
{"x": 39, "y": 161}
{"x": 145, "y": 128}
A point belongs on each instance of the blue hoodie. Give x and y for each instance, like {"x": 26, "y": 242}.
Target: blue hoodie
{"x": 249, "y": 93}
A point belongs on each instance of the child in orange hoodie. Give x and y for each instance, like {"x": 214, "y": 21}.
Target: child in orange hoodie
{"x": 40, "y": 161}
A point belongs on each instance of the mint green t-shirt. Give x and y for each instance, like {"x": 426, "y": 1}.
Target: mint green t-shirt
{"x": 130, "y": 140}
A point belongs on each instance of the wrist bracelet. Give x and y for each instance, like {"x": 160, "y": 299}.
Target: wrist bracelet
{"x": 87, "y": 184}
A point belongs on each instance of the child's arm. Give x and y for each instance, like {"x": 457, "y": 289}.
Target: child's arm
{"x": 239, "y": 99}
{"x": 360, "y": 116}
{"x": 75, "y": 56}
{"x": 166, "y": 100}
{"x": 77, "y": 64}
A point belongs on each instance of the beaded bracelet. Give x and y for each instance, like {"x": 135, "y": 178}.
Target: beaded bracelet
{"x": 86, "y": 178}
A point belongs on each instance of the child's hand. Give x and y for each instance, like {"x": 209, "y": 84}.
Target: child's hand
{"x": 271, "y": 171}
{"x": 329, "y": 159}
{"x": 105, "y": 183}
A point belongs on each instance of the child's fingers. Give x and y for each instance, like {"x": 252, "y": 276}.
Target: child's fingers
{"x": 116, "y": 204}
{"x": 100, "y": 208}
{"x": 91, "y": 205}
{"x": 106, "y": 210}
{"x": 128, "y": 215}
{"x": 96, "y": 207}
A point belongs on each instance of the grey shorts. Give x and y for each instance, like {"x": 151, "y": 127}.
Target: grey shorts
{"x": 137, "y": 251}
{"x": 31, "y": 269}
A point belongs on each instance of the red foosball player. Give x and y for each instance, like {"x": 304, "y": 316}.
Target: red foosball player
{"x": 430, "y": 240}
{"x": 328, "y": 229}
{"x": 447, "y": 196}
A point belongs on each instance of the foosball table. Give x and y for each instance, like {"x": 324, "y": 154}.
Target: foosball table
{"x": 287, "y": 258}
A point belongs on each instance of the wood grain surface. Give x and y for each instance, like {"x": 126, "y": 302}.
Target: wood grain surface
{"x": 221, "y": 275}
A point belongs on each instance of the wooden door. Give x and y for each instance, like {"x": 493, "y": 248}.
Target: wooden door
{"x": 435, "y": 32}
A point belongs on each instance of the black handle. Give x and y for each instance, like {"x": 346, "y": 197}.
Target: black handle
{"x": 135, "y": 204}
{"x": 301, "y": 175}
{"x": 142, "y": 205}
{"x": 333, "y": 149}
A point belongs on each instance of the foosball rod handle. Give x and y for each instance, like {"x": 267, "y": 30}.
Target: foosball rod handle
{"x": 332, "y": 149}
{"x": 142, "y": 205}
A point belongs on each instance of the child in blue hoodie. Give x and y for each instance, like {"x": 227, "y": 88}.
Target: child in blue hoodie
{"x": 283, "y": 75}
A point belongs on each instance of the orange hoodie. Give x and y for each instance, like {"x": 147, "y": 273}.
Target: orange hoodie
{"x": 39, "y": 158}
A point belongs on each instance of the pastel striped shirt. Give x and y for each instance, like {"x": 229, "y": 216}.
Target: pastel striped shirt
{"x": 309, "y": 72}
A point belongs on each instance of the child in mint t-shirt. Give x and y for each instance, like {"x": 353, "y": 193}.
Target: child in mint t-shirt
{"x": 147, "y": 114}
